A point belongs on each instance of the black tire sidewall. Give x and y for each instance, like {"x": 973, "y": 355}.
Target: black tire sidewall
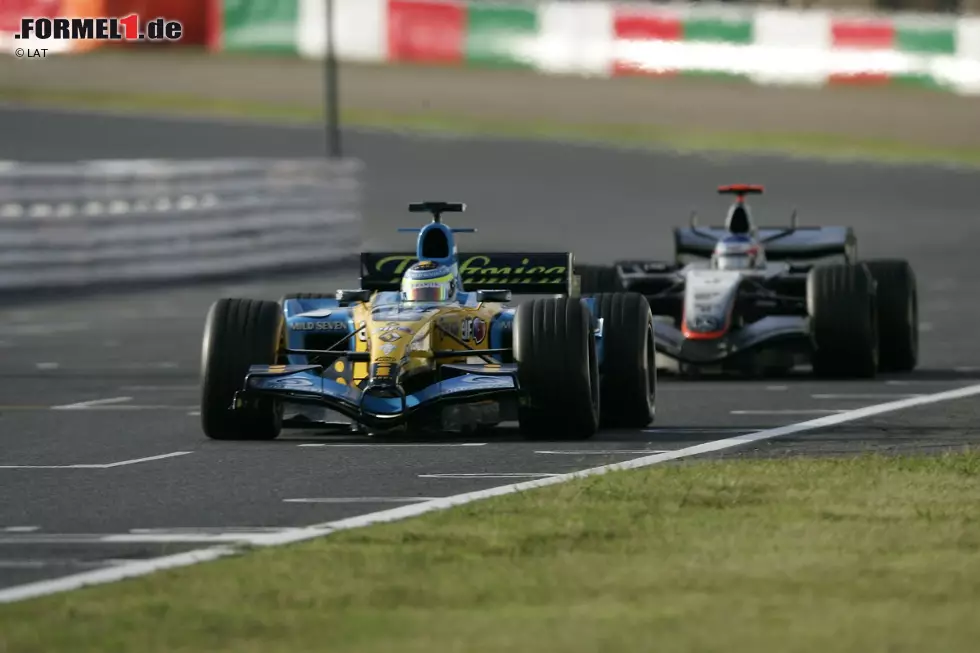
{"x": 628, "y": 371}
{"x": 238, "y": 333}
{"x": 555, "y": 350}
{"x": 897, "y": 299}
{"x": 844, "y": 320}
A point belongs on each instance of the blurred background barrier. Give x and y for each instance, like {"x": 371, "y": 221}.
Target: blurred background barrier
{"x": 768, "y": 45}
{"x": 776, "y": 43}
{"x": 104, "y": 223}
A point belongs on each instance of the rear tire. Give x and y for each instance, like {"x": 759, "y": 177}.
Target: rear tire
{"x": 628, "y": 374}
{"x": 599, "y": 279}
{"x": 239, "y": 333}
{"x": 555, "y": 349}
{"x": 898, "y": 314}
{"x": 843, "y": 321}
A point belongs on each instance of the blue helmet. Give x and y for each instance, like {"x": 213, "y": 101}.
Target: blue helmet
{"x": 428, "y": 281}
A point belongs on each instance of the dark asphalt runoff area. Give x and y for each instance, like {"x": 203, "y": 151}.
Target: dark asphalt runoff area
{"x": 102, "y": 459}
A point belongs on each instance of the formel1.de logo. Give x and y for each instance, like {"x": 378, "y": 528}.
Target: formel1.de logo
{"x": 126, "y": 28}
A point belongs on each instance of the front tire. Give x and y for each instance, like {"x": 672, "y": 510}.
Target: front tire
{"x": 628, "y": 374}
{"x": 239, "y": 333}
{"x": 555, "y": 349}
{"x": 843, "y": 321}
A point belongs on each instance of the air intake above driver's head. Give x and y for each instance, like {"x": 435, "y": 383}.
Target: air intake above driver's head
{"x": 739, "y": 221}
{"x": 435, "y": 245}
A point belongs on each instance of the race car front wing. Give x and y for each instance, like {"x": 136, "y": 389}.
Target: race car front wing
{"x": 378, "y": 405}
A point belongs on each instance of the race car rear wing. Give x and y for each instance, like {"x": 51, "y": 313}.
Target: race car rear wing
{"x": 522, "y": 273}
{"x": 791, "y": 243}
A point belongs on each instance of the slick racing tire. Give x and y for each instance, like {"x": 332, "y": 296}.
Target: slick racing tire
{"x": 843, "y": 321}
{"x": 239, "y": 333}
{"x": 898, "y": 314}
{"x": 555, "y": 350}
{"x": 628, "y": 373}
{"x": 598, "y": 279}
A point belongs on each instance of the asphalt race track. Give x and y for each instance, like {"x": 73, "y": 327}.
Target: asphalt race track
{"x": 102, "y": 458}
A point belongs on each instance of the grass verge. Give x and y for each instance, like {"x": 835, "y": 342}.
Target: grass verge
{"x": 859, "y": 554}
{"x": 800, "y": 144}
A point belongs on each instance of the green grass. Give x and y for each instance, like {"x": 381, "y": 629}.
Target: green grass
{"x": 806, "y": 144}
{"x": 847, "y": 555}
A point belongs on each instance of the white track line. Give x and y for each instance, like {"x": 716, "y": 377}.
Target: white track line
{"x": 131, "y": 538}
{"x": 801, "y": 411}
{"x": 53, "y": 562}
{"x": 113, "y": 574}
{"x": 601, "y": 452}
{"x": 687, "y": 430}
{"x": 160, "y": 388}
{"x": 134, "y": 461}
{"x": 490, "y": 475}
{"x": 121, "y": 463}
{"x": 144, "y": 567}
{"x": 882, "y": 395}
{"x": 207, "y": 530}
{"x": 130, "y": 407}
{"x": 95, "y": 402}
{"x": 361, "y": 500}
{"x": 375, "y": 445}
{"x": 906, "y": 382}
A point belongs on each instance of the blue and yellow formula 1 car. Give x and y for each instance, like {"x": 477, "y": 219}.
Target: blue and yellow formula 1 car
{"x": 392, "y": 358}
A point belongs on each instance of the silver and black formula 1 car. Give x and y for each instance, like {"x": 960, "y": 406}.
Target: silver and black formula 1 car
{"x": 392, "y": 362}
{"x": 761, "y": 301}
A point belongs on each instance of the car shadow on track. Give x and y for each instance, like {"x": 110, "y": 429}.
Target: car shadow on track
{"x": 505, "y": 434}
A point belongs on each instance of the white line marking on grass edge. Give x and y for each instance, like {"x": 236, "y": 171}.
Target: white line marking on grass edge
{"x": 113, "y": 574}
{"x": 289, "y": 536}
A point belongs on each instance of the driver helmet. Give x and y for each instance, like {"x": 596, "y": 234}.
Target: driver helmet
{"x": 428, "y": 281}
{"x": 737, "y": 253}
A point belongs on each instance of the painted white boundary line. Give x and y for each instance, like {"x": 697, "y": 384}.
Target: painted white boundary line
{"x": 290, "y": 536}
{"x": 601, "y": 452}
{"x": 361, "y": 500}
{"x": 791, "y": 411}
{"x": 121, "y": 463}
{"x": 82, "y": 405}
